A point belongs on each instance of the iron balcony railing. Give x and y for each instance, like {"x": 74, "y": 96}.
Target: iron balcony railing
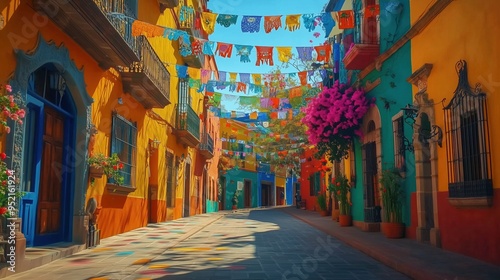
{"x": 149, "y": 63}
{"x": 207, "y": 143}
{"x": 188, "y": 120}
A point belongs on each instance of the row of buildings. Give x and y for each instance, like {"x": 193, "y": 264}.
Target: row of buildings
{"x": 91, "y": 86}
{"x": 94, "y": 81}
{"x": 431, "y": 67}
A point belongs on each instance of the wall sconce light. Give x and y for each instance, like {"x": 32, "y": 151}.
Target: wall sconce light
{"x": 154, "y": 145}
{"x": 410, "y": 114}
{"x": 424, "y": 134}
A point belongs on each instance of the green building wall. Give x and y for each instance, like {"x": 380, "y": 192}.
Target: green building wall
{"x": 232, "y": 177}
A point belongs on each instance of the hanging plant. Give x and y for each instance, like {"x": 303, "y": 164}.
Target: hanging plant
{"x": 333, "y": 119}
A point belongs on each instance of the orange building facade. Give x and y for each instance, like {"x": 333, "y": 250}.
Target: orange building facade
{"x": 93, "y": 83}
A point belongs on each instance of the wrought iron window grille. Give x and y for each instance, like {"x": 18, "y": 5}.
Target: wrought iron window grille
{"x": 467, "y": 142}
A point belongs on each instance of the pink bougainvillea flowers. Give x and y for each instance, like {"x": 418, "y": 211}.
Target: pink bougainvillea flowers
{"x": 334, "y": 116}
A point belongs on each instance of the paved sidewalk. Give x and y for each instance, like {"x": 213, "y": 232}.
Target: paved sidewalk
{"x": 415, "y": 259}
{"x": 120, "y": 255}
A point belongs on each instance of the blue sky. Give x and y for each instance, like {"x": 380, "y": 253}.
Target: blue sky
{"x": 280, "y": 37}
{"x": 276, "y": 38}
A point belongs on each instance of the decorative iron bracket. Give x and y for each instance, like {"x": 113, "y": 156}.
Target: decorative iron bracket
{"x": 424, "y": 135}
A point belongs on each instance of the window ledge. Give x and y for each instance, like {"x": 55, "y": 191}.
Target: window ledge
{"x": 469, "y": 202}
{"x": 116, "y": 189}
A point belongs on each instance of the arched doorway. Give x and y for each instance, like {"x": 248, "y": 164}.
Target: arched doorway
{"x": 371, "y": 155}
{"x": 49, "y": 150}
{"x": 49, "y": 130}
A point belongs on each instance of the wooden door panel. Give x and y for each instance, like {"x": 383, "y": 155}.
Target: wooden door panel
{"x": 248, "y": 194}
{"x": 54, "y": 219}
{"x": 49, "y": 205}
{"x": 42, "y": 220}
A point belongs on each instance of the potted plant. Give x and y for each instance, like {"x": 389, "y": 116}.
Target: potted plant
{"x": 235, "y": 199}
{"x": 110, "y": 166}
{"x": 392, "y": 203}
{"x": 341, "y": 191}
{"x": 321, "y": 199}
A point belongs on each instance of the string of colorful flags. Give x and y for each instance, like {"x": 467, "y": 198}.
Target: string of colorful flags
{"x": 190, "y": 18}
{"x": 265, "y": 88}
{"x": 190, "y": 45}
{"x": 303, "y": 77}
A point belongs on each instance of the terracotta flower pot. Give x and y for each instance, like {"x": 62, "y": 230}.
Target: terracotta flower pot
{"x": 323, "y": 213}
{"x": 393, "y": 230}
{"x": 345, "y": 220}
{"x": 96, "y": 172}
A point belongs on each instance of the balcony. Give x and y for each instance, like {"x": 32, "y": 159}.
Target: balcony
{"x": 108, "y": 39}
{"x": 187, "y": 126}
{"x": 206, "y": 146}
{"x": 147, "y": 80}
{"x": 196, "y": 61}
{"x": 360, "y": 56}
{"x": 366, "y": 43}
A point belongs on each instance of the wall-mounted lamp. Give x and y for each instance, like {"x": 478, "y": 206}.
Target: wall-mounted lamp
{"x": 410, "y": 114}
{"x": 425, "y": 131}
{"x": 154, "y": 145}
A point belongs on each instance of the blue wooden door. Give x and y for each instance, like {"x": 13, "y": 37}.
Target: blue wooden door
{"x": 48, "y": 159}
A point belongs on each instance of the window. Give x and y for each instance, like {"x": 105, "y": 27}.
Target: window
{"x": 352, "y": 162}
{"x": 47, "y": 83}
{"x": 170, "y": 180}
{"x": 399, "y": 142}
{"x": 123, "y": 143}
{"x": 366, "y": 25}
{"x": 314, "y": 184}
{"x": 184, "y": 104}
{"x": 471, "y": 153}
{"x": 184, "y": 97}
{"x": 467, "y": 141}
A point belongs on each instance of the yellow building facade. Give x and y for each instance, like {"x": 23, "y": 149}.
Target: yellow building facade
{"x": 454, "y": 73}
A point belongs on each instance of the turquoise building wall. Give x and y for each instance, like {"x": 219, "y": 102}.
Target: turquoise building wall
{"x": 392, "y": 94}
{"x": 212, "y": 206}
{"x": 232, "y": 177}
